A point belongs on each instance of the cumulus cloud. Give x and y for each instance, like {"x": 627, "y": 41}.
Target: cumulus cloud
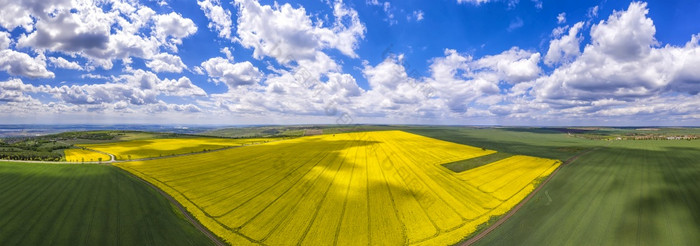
{"x": 20, "y": 64}
{"x": 623, "y": 72}
{"x": 513, "y": 66}
{"x": 14, "y": 91}
{"x": 61, "y": 62}
{"x": 181, "y": 87}
{"x": 98, "y": 31}
{"x": 626, "y": 35}
{"x": 467, "y": 84}
{"x": 287, "y": 33}
{"x": 138, "y": 88}
{"x": 561, "y": 18}
{"x": 622, "y": 65}
{"x": 175, "y": 26}
{"x": 219, "y": 18}
{"x": 67, "y": 31}
{"x": 566, "y": 47}
{"x": 233, "y": 75}
{"x": 458, "y": 85}
{"x": 5, "y": 40}
{"x": 164, "y": 62}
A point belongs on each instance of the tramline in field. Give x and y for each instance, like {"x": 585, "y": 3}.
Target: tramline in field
{"x": 379, "y": 188}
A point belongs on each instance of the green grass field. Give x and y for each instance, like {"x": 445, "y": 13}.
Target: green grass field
{"x": 54, "y": 204}
{"x": 463, "y": 165}
{"x": 628, "y": 193}
{"x": 643, "y": 192}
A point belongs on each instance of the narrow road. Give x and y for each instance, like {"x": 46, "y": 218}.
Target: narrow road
{"x": 522, "y": 203}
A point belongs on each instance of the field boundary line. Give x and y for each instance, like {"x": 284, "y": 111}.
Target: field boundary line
{"x": 215, "y": 239}
{"x": 522, "y": 203}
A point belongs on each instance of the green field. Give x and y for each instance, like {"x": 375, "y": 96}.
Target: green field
{"x": 643, "y": 192}
{"x": 626, "y": 192}
{"x": 463, "y": 165}
{"x": 54, "y": 204}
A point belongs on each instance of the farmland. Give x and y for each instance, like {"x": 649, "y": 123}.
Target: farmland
{"x": 45, "y": 204}
{"x": 620, "y": 193}
{"x": 81, "y": 155}
{"x": 374, "y": 188}
{"x": 384, "y": 187}
{"x": 159, "y": 147}
{"x": 625, "y": 193}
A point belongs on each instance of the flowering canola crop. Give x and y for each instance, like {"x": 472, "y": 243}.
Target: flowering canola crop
{"x": 138, "y": 149}
{"x": 366, "y": 188}
{"x": 81, "y": 155}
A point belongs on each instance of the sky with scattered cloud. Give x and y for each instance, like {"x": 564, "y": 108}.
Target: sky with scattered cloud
{"x": 459, "y": 62}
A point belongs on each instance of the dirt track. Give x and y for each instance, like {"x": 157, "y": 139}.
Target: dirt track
{"x": 522, "y": 203}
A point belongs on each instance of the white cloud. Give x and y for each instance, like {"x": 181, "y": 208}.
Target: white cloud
{"x": 98, "y": 31}
{"x": 15, "y": 14}
{"x": 565, "y": 48}
{"x": 220, "y": 70}
{"x": 476, "y": 2}
{"x": 93, "y": 76}
{"x": 515, "y": 24}
{"x": 18, "y": 63}
{"x": 455, "y": 82}
{"x": 61, "y": 62}
{"x": 592, "y": 12}
{"x": 387, "y": 9}
{"x": 417, "y": 16}
{"x": 5, "y": 40}
{"x": 86, "y": 28}
{"x": 561, "y": 18}
{"x": 512, "y": 66}
{"x": 175, "y": 26}
{"x": 626, "y": 35}
{"x": 287, "y": 33}
{"x": 14, "y": 91}
{"x": 228, "y": 53}
{"x": 181, "y": 87}
{"x": 538, "y": 3}
{"x": 164, "y": 62}
{"x": 137, "y": 88}
{"x": 220, "y": 18}
{"x": 621, "y": 63}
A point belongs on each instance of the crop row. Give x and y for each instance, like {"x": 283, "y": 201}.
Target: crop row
{"x": 378, "y": 188}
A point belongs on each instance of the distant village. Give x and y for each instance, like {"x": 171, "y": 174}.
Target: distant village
{"x": 657, "y": 137}
{"x": 640, "y": 134}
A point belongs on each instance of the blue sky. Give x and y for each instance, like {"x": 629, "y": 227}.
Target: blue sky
{"x": 466, "y": 62}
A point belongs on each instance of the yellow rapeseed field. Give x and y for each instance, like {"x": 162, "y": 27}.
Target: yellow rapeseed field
{"x": 139, "y": 149}
{"x": 367, "y": 188}
{"x": 81, "y": 155}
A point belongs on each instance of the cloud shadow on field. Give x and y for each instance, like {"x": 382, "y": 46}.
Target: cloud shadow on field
{"x": 676, "y": 195}
{"x": 555, "y": 146}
